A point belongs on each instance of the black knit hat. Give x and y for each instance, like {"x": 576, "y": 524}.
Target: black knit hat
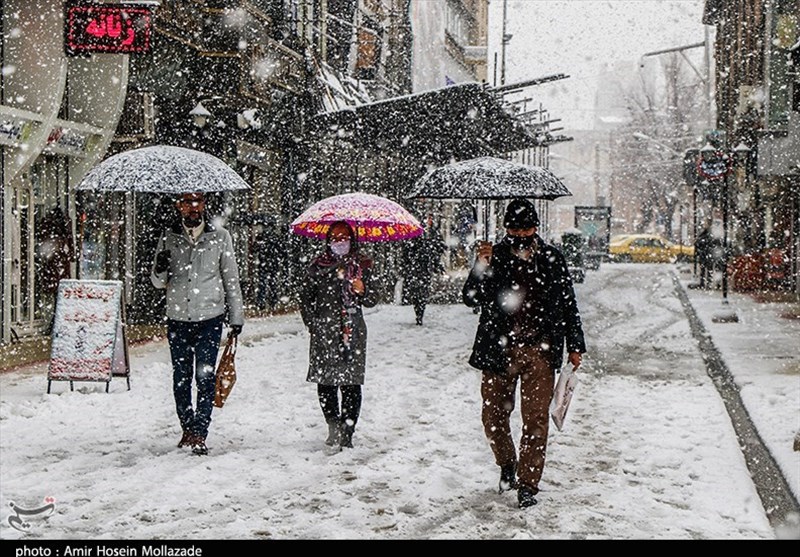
{"x": 520, "y": 213}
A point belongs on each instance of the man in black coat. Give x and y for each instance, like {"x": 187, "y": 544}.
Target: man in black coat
{"x": 703, "y": 248}
{"x": 528, "y": 315}
{"x": 421, "y": 258}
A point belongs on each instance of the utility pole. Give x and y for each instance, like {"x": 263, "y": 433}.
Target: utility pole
{"x": 506, "y": 38}
{"x": 705, "y": 78}
{"x": 597, "y": 173}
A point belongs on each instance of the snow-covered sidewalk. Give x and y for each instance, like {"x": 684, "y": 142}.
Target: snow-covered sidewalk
{"x": 762, "y": 352}
{"x": 648, "y": 450}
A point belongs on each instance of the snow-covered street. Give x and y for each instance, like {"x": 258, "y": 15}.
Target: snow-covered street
{"x": 647, "y": 451}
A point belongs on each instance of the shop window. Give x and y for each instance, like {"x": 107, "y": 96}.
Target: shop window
{"x": 41, "y": 247}
{"x": 339, "y": 23}
{"x": 136, "y": 122}
{"x": 101, "y": 231}
{"x": 784, "y": 35}
{"x": 369, "y": 49}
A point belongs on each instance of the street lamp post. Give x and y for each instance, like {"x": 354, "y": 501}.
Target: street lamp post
{"x": 717, "y": 165}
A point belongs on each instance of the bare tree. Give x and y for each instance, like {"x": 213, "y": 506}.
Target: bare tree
{"x": 666, "y": 113}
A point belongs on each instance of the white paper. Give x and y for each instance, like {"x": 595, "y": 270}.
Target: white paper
{"x": 562, "y": 395}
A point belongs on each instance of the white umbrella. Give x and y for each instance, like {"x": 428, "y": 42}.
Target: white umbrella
{"x": 489, "y": 178}
{"x": 162, "y": 169}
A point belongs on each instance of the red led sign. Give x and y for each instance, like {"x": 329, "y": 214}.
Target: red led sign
{"x": 109, "y": 28}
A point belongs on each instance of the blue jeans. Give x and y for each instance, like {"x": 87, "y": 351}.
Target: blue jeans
{"x": 194, "y": 348}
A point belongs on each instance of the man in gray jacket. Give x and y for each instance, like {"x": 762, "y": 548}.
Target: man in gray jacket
{"x": 196, "y": 264}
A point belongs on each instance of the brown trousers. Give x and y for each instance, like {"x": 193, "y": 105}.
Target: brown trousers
{"x": 529, "y": 367}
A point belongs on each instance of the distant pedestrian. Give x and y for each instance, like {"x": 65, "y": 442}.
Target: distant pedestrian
{"x": 195, "y": 263}
{"x": 466, "y": 219}
{"x": 55, "y": 253}
{"x": 336, "y": 287}
{"x": 528, "y": 314}
{"x": 271, "y": 264}
{"x": 703, "y": 247}
{"x": 421, "y": 259}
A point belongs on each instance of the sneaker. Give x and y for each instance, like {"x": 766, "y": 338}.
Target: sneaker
{"x": 508, "y": 477}
{"x": 525, "y": 497}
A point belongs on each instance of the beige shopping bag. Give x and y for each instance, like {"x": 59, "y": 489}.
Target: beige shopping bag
{"x": 562, "y": 395}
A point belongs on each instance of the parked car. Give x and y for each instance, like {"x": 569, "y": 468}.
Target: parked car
{"x": 647, "y": 248}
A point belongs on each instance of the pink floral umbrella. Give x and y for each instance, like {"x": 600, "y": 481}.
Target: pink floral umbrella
{"x": 374, "y": 218}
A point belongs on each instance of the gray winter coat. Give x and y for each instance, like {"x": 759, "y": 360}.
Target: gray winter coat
{"x": 321, "y": 309}
{"x": 202, "y": 281}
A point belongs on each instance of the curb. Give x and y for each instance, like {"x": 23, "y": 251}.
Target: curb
{"x": 774, "y": 491}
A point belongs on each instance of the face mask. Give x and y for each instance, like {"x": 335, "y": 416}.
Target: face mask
{"x": 192, "y": 223}
{"x": 520, "y": 242}
{"x": 340, "y": 247}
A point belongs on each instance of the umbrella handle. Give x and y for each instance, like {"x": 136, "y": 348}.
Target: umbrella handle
{"x": 486, "y": 220}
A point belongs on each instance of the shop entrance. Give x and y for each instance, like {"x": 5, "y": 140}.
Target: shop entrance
{"x": 42, "y": 247}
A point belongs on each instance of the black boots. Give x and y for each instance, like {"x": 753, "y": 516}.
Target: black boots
{"x": 346, "y": 431}
{"x": 334, "y": 431}
{"x": 508, "y": 481}
{"x": 525, "y": 497}
{"x": 508, "y": 477}
{"x": 340, "y": 434}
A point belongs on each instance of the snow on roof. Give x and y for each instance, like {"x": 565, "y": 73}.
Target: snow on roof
{"x": 340, "y": 91}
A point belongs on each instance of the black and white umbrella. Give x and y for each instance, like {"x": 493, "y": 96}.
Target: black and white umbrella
{"x": 162, "y": 169}
{"x": 489, "y": 178}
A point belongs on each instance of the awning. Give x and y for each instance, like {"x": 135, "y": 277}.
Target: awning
{"x": 459, "y": 121}
{"x": 339, "y": 91}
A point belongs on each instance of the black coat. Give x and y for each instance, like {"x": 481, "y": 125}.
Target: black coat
{"x": 421, "y": 258}
{"x": 555, "y": 312}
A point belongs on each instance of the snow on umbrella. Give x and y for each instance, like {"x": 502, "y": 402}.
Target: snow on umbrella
{"x": 162, "y": 169}
{"x": 489, "y": 178}
{"x": 374, "y": 218}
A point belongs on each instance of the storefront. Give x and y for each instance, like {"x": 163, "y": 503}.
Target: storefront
{"x": 57, "y": 116}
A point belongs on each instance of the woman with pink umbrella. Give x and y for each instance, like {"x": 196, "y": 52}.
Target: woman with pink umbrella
{"x": 337, "y": 286}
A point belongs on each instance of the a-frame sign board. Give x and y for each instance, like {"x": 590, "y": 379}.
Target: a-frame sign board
{"x": 88, "y": 338}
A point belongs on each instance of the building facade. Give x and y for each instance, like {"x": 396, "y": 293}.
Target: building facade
{"x": 758, "y": 108}
{"x": 303, "y": 98}
{"x": 58, "y": 114}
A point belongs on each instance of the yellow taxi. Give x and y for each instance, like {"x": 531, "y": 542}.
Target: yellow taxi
{"x": 647, "y": 248}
